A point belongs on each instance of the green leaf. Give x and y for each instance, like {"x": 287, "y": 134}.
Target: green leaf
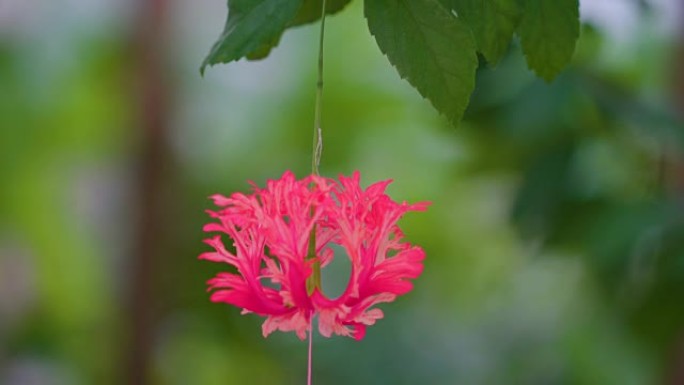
{"x": 430, "y": 47}
{"x": 548, "y": 32}
{"x": 310, "y": 10}
{"x": 251, "y": 24}
{"x": 492, "y": 22}
{"x": 265, "y": 49}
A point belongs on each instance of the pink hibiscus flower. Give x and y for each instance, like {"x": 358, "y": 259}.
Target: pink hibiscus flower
{"x": 283, "y": 236}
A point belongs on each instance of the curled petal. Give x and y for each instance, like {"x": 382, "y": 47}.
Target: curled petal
{"x": 331, "y": 321}
{"x": 296, "y": 321}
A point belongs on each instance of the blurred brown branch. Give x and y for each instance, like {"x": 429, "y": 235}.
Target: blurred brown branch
{"x": 151, "y": 96}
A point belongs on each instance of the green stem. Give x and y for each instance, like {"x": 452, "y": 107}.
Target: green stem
{"x": 315, "y": 280}
{"x": 317, "y": 135}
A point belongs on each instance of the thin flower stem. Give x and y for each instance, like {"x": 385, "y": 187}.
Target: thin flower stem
{"x": 318, "y": 134}
{"x": 308, "y": 374}
{"x": 315, "y": 162}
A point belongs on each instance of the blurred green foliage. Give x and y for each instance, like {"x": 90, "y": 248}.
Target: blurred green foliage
{"x": 555, "y": 239}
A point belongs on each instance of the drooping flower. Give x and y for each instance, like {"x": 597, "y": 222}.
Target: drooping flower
{"x": 282, "y": 236}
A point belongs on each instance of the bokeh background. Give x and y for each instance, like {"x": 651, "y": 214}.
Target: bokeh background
{"x": 555, "y": 239}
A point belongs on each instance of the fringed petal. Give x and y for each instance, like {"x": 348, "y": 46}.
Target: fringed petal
{"x": 296, "y": 321}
